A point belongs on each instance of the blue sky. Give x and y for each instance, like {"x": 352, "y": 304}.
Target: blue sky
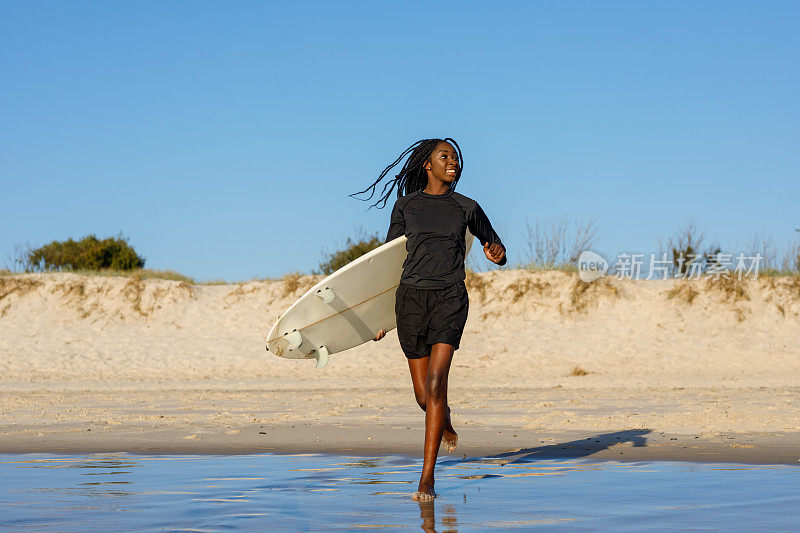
{"x": 224, "y": 137}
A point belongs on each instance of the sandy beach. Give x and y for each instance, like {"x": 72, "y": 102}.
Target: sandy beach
{"x": 549, "y": 367}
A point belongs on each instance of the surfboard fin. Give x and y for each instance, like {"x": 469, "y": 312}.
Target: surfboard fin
{"x": 322, "y": 357}
{"x": 326, "y": 295}
{"x": 295, "y": 339}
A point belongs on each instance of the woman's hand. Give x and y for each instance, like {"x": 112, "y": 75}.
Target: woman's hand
{"x": 381, "y": 334}
{"x": 494, "y": 253}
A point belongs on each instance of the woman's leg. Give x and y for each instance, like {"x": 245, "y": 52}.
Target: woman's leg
{"x": 435, "y": 411}
{"x": 419, "y": 375}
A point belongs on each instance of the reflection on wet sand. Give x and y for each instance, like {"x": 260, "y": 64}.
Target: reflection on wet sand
{"x": 517, "y": 489}
{"x": 427, "y": 512}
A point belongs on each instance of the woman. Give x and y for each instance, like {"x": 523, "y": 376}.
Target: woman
{"x": 431, "y": 303}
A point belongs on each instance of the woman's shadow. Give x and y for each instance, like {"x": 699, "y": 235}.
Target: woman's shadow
{"x": 569, "y": 450}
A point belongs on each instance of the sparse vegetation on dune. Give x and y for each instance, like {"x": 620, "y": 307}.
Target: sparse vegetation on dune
{"x": 742, "y": 296}
{"x": 784, "y": 292}
{"x": 578, "y": 371}
{"x": 92, "y": 297}
{"x": 775, "y": 273}
{"x": 296, "y": 282}
{"x": 793, "y": 284}
{"x": 140, "y": 273}
{"x": 731, "y": 288}
{"x": 525, "y": 287}
{"x": 684, "y": 292}
{"x": 12, "y": 285}
{"x": 538, "y": 295}
{"x": 291, "y": 282}
{"x": 582, "y": 294}
{"x": 526, "y": 292}
{"x": 476, "y": 284}
{"x": 551, "y": 247}
{"x": 161, "y": 274}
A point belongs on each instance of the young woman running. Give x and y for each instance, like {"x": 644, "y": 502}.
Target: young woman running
{"x": 431, "y": 303}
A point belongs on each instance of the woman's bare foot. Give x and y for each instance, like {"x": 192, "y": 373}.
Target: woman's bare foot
{"x": 424, "y": 492}
{"x": 449, "y": 435}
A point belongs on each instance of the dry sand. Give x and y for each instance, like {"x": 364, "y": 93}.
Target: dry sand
{"x": 549, "y": 367}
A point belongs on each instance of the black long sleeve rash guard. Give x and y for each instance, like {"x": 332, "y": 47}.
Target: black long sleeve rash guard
{"x": 435, "y": 225}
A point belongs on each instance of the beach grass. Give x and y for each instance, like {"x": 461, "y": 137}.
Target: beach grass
{"x": 683, "y": 292}
{"x": 578, "y": 371}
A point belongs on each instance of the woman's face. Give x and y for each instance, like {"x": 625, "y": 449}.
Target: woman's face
{"x": 443, "y": 163}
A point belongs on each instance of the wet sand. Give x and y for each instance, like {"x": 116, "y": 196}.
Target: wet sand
{"x": 619, "y": 425}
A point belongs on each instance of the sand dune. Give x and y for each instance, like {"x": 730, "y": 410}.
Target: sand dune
{"x": 525, "y": 329}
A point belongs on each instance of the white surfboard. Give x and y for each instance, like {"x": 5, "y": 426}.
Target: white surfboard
{"x": 345, "y": 309}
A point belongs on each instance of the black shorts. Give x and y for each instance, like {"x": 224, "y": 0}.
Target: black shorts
{"x": 427, "y": 317}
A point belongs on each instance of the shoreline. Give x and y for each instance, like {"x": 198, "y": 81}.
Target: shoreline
{"x": 491, "y": 444}
{"x": 752, "y": 449}
{"x": 503, "y": 424}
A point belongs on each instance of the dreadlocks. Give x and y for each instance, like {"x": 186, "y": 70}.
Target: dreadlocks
{"x": 412, "y": 176}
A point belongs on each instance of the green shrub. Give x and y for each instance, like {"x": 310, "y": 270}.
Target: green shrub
{"x": 354, "y": 248}
{"x": 89, "y": 253}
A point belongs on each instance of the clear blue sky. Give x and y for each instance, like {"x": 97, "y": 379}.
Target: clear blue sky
{"x": 224, "y": 137}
